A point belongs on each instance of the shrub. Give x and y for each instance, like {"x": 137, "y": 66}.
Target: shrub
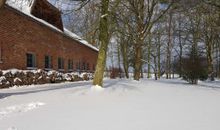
{"x": 116, "y": 72}
{"x": 194, "y": 68}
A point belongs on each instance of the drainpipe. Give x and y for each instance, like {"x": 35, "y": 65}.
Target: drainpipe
{"x": 2, "y": 2}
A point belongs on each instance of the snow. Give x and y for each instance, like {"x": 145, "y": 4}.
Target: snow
{"x": 74, "y": 36}
{"x": 2, "y": 78}
{"x": 17, "y": 79}
{"x": 97, "y": 88}
{"x": 25, "y": 7}
{"x": 120, "y": 105}
{"x": 13, "y": 71}
{"x": 105, "y": 15}
{"x": 15, "y": 109}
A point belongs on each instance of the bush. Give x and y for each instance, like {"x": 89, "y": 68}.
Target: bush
{"x": 116, "y": 72}
{"x": 194, "y": 69}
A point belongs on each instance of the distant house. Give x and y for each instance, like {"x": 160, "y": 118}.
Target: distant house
{"x": 33, "y": 36}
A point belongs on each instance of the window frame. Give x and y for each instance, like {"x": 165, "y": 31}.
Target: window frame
{"x": 34, "y": 60}
{"x": 50, "y": 65}
{"x": 70, "y": 65}
{"x": 84, "y": 66}
{"x": 61, "y": 64}
{"x": 78, "y": 66}
{"x": 88, "y": 67}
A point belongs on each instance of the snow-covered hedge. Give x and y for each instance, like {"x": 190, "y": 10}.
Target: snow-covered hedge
{"x": 14, "y": 77}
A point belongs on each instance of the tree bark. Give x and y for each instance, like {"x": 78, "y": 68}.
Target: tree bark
{"x": 168, "y": 60}
{"x": 119, "y": 61}
{"x": 149, "y": 57}
{"x": 124, "y": 52}
{"x": 181, "y": 49}
{"x": 155, "y": 68}
{"x": 104, "y": 40}
{"x": 137, "y": 66}
{"x": 210, "y": 60}
{"x": 2, "y": 2}
{"x": 158, "y": 56}
{"x": 139, "y": 16}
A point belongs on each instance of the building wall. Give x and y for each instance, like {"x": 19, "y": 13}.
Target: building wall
{"x": 20, "y": 34}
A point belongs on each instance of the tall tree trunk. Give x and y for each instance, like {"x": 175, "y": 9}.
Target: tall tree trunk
{"x": 124, "y": 52}
{"x": 2, "y": 2}
{"x": 142, "y": 71}
{"x": 158, "y": 56}
{"x": 181, "y": 61}
{"x": 210, "y": 59}
{"x": 168, "y": 60}
{"x": 218, "y": 56}
{"x": 181, "y": 49}
{"x": 155, "y": 68}
{"x": 139, "y": 16}
{"x": 158, "y": 66}
{"x": 119, "y": 61}
{"x": 149, "y": 58}
{"x": 218, "y": 60}
{"x": 137, "y": 65}
{"x": 104, "y": 40}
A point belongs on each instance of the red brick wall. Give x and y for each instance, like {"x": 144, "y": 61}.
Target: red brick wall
{"x": 20, "y": 34}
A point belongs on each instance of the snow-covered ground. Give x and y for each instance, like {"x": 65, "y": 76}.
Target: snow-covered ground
{"x": 121, "y": 105}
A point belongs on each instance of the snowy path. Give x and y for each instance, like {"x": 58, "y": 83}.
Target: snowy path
{"x": 122, "y": 105}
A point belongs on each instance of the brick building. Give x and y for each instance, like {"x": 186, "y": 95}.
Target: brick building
{"x": 33, "y": 37}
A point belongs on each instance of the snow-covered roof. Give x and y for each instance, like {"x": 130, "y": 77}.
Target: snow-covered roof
{"x": 24, "y": 6}
{"x": 76, "y": 37}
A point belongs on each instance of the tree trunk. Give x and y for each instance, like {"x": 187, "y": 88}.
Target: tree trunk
{"x": 139, "y": 16}
{"x": 2, "y": 2}
{"x": 137, "y": 65}
{"x": 104, "y": 40}
{"x": 119, "y": 61}
{"x": 155, "y": 67}
{"x": 168, "y": 64}
{"x": 210, "y": 60}
{"x": 149, "y": 58}
{"x": 158, "y": 56}
{"x": 124, "y": 52}
{"x": 218, "y": 60}
{"x": 181, "y": 49}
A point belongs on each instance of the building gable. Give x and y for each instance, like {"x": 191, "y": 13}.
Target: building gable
{"x": 44, "y": 10}
{"x": 25, "y": 7}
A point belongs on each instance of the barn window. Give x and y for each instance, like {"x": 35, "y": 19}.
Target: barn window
{"x": 88, "y": 66}
{"x": 78, "y": 64}
{"x": 70, "y": 64}
{"x": 31, "y": 60}
{"x": 84, "y": 66}
{"x": 48, "y": 62}
{"x": 60, "y": 63}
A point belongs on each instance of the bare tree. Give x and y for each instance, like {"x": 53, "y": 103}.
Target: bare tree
{"x": 103, "y": 42}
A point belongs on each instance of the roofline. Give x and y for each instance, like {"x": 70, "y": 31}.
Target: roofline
{"x": 52, "y": 29}
{"x": 50, "y": 5}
